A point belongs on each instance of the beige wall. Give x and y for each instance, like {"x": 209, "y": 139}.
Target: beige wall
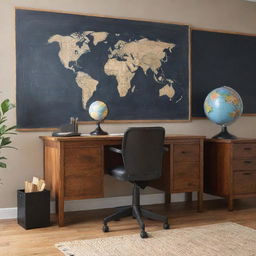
{"x": 232, "y": 15}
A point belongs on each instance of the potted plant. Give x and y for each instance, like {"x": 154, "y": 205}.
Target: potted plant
{"x": 5, "y": 130}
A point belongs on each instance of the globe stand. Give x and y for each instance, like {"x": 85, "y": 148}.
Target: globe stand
{"x": 224, "y": 134}
{"x": 98, "y": 130}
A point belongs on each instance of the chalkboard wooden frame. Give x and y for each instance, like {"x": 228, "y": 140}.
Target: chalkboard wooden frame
{"x": 25, "y": 85}
{"x": 210, "y": 56}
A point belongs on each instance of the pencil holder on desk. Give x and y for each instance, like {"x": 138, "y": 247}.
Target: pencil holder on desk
{"x": 33, "y": 209}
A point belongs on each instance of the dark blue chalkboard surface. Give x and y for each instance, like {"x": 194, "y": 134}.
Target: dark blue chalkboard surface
{"x": 223, "y": 59}
{"x": 65, "y": 62}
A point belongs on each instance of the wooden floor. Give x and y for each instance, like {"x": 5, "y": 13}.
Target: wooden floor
{"x": 15, "y": 241}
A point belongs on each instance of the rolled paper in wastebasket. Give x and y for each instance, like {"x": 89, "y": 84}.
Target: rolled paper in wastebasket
{"x": 35, "y": 186}
{"x": 35, "y": 180}
{"x": 41, "y": 185}
{"x": 26, "y": 186}
{"x": 30, "y": 187}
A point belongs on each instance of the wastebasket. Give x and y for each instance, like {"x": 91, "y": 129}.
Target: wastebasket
{"x": 33, "y": 209}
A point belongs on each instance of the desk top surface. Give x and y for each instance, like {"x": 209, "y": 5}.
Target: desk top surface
{"x": 115, "y": 137}
{"x": 238, "y": 140}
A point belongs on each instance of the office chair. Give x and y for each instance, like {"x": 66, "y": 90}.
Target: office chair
{"x": 142, "y": 153}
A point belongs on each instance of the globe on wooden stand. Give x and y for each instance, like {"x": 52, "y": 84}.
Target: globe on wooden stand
{"x": 223, "y": 106}
{"x": 98, "y": 111}
{"x": 224, "y": 134}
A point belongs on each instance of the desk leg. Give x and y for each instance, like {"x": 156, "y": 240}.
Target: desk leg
{"x": 199, "y": 201}
{"x": 230, "y": 203}
{"x": 167, "y": 198}
{"x": 188, "y": 197}
{"x": 60, "y": 211}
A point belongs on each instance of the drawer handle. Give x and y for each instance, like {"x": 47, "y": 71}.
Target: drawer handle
{"x": 247, "y": 162}
{"x": 248, "y": 149}
{"x": 184, "y": 152}
{"x": 247, "y": 173}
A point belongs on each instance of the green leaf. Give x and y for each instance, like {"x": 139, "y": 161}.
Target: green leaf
{"x": 2, "y": 165}
{"x": 3, "y": 119}
{"x": 11, "y": 128}
{"x": 5, "y": 141}
{"x": 3, "y": 129}
{"x": 11, "y": 133}
{"x": 6, "y": 106}
{"x": 7, "y": 147}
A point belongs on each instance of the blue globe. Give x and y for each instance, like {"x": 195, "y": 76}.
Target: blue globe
{"x": 98, "y": 110}
{"x": 223, "y": 106}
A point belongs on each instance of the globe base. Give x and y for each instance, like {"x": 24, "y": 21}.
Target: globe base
{"x": 98, "y": 131}
{"x": 224, "y": 134}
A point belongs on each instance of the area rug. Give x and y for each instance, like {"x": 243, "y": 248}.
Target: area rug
{"x": 224, "y": 239}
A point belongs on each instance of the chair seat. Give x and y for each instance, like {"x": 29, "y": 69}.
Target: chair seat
{"x": 119, "y": 173}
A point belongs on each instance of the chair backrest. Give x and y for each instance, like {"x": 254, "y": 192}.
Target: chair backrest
{"x": 142, "y": 152}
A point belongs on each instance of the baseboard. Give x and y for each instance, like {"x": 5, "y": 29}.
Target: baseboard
{"x": 91, "y": 204}
{"x": 8, "y": 213}
{"x": 110, "y": 202}
{"x": 101, "y": 203}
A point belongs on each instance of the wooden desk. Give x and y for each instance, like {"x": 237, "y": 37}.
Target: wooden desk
{"x": 230, "y": 168}
{"x": 74, "y": 167}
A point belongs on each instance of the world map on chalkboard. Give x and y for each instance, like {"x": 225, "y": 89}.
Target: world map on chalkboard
{"x": 123, "y": 60}
{"x": 65, "y": 62}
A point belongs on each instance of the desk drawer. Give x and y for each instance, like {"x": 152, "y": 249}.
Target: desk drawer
{"x": 244, "y": 164}
{"x": 83, "y": 172}
{"x": 82, "y": 160}
{"x": 244, "y": 150}
{"x": 244, "y": 182}
{"x": 186, "y": 177}
{"x": 186, "y": 152}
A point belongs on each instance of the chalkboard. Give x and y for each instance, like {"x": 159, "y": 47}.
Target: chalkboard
{"x": 64, "y": 62}
{"x": 223, "y": 59}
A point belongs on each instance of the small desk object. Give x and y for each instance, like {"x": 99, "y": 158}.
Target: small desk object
{"x": 74, "y": 167}
{"x": 230, "y": 168}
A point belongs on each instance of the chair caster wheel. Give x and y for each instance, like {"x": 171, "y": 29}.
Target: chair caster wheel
{"x": 166, "y": 226}
{"x": 143, "y": 234}
{"x": 105, "y": 228}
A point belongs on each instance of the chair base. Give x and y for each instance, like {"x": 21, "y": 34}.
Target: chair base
{"x": 137, "y": 212}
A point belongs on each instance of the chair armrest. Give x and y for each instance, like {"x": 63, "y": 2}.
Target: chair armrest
{"x": 166, "y": 149}
{"x": 116, "y": 150}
